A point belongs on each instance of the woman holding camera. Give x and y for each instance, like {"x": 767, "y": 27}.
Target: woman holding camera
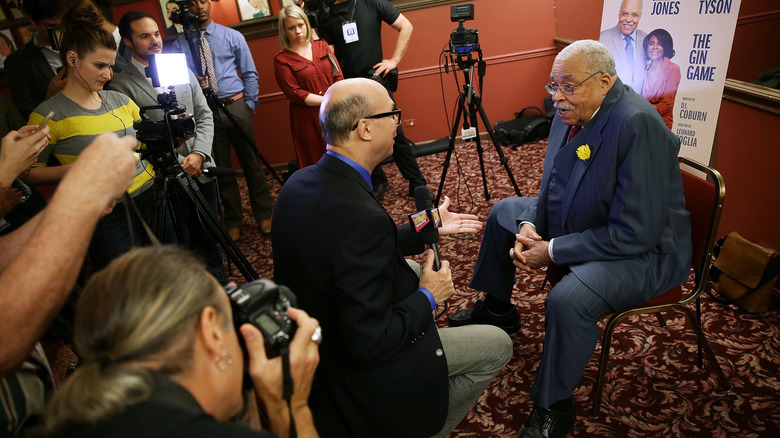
{"x": 304, "y": 70}
{"x": 83, "y": 110}
{"x": 160, "y": 357}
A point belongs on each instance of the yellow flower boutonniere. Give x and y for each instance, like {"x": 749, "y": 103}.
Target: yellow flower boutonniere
{"x": 583, "y": 152}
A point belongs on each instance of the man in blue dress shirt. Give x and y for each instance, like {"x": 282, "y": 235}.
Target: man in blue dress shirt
{"x": 223, "y": 53}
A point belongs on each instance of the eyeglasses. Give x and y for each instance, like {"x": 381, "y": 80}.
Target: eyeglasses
{"x": 396, "y": 113}
{"x": 566, "y": 88}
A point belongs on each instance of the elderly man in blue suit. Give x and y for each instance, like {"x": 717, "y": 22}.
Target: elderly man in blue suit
{"x": 625, "y": 42}
{"x": 609, "y": 224}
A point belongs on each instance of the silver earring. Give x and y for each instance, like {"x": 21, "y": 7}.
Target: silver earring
{"x": 227, "y": 357}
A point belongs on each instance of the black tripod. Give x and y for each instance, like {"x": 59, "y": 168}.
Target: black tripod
{"x": 169, "y": 171}
{"x": 469, "y": 104}
{"x": 216, "y": 104}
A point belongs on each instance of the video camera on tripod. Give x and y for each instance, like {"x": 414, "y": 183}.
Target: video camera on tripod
{"x": 463, "y": 40}
{"x": 175, "y": 126}
{"x": 184, "y": 15}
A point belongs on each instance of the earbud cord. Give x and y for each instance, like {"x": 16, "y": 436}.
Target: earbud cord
{"x": 102, "y": 100}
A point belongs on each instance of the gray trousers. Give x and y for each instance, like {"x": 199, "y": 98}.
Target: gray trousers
{"x": 475, "y": 355}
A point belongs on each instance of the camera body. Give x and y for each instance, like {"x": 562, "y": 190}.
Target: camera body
{"x": 172, "y": 124}
{"x": 160, "y": 136}
{"x": 264, "y": 304}
{"x": 463, "y": 40}
{"x": 184, "y": 15}
{"x": 316, "y": 9}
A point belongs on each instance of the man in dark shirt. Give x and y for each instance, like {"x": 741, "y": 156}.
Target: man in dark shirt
{"x": 354, "y": 29}
{"x": 33, "y": 69}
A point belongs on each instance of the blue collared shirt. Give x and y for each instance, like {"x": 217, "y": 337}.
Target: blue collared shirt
{"x": 230, "y": 54}
{"x": 360, "y": 169}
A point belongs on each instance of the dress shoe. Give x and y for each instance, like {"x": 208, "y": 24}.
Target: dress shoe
{"x": 265, "y": 226}
{"x": 380, "y": 189}
{"x": 234, "y": 233}
{"x": 548, "y": 423}
{"x": 480, "y": 314}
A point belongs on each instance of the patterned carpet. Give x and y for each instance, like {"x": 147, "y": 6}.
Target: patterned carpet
{"x": 654, "y": 386}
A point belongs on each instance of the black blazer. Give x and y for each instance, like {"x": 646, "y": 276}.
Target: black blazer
{"x": 29, "y": 74}
{"x": 382, "y": 371}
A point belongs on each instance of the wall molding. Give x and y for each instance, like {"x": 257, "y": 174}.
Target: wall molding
{"x": 758, "y": 18}
{"x": 756, "y": 96}
{"x": 268, "y": 26}
{"x": 434, "y": 70}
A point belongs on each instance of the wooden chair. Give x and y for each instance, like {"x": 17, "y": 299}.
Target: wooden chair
{"x": 704, "y": 200}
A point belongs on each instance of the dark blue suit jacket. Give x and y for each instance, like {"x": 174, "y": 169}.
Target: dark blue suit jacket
{"x": 626, "y": 230}
{"x": 29, "y": 74}
{"x": 382, "y": 371}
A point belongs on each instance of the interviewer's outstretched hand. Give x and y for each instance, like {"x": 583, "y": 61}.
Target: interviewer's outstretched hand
{"x": 456, "y": 223}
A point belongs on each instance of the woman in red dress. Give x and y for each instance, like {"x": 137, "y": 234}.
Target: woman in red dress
{"x": 304, "y": 70}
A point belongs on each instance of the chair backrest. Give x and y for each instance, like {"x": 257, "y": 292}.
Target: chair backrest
{"x": 704, "y": 199}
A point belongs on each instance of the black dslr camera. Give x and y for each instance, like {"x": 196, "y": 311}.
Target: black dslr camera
{"x": 463, "y": 40}
{"x": 264, "y": 304}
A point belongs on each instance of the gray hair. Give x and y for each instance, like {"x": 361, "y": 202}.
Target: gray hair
{"x": 595, "y": 55}
{"x": 144, "y": 307}
{"x": 338, "y": 117}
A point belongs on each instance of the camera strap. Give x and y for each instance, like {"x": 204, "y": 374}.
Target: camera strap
{"x": 129, "y": 203}
{"x": 287, "y": 382}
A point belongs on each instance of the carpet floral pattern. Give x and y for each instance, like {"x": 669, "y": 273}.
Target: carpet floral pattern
{"x": 654, "y": 386}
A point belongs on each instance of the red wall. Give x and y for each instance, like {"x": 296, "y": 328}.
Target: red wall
{"x": 517, "y": 41}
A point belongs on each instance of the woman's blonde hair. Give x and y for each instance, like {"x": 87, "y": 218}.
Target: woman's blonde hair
{"x": 82, "y": 30}
{"x": 136, "y": 317}
{"x": 292, "y": 11}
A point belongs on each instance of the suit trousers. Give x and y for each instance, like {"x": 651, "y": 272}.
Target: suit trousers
{"x": 494, "y": 272}
{"x": 475, "y": 355}
{"x": 225, "y": 134}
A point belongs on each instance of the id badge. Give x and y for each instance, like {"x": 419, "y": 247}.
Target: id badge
{"x": 350, "y": 32}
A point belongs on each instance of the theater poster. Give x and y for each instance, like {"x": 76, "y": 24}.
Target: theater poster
{"x": 670, "y": 39}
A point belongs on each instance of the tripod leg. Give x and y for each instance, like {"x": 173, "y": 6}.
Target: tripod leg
{"x": 246, "y": 137}
{"x": 215, "y": 226}
{"x": 160, "y": 208}
{"x": 502, "y": 158}
{"x": 475, "y": 125}
{"x": 461, "y": 110}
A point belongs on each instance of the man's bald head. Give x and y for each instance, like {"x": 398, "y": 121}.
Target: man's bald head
{"x": 345, "y": 103}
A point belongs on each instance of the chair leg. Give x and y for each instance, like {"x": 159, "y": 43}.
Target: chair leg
{"x": 698, "y": 319}
{"x": 724, "y": 383}
{"x": 660, "y": 318}
{"x": 601, "y": 379}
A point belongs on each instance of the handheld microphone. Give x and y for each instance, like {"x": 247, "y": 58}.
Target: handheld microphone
{"x": 426, "y": 221}
{"x": 219, "y": 171}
